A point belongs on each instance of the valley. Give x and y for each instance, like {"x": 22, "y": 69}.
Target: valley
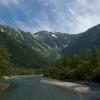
{"x": 65, "y": 57}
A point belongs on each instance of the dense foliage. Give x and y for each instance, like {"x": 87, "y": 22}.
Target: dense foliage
{"x": 76, "y": 68}
{"x": 6, "y": 66}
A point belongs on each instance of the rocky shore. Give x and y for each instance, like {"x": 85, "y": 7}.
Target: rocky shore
{"x": 68, "y": 85}
{"x": 20, "y": 76}
{"x": 4, "y": 86}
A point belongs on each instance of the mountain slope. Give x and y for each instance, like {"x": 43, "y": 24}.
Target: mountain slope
{"x": 54, "y": 40}
{"x": 29, "y": 40}
{"x": 20, "y": 49}
{"x": 85, "y": 42}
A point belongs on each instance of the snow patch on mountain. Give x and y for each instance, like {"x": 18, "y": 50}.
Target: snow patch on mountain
{"x": 2, "y": 30}
{"x": 35, "y": 36}
{"x": 20, "y": 34}
{"x": 46, "y": 45}
{"x": 66, "y": 45}
{"x": 54, "y": 36}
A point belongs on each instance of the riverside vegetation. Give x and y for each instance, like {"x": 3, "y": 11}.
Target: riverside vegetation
{"x": 76, "y": 68}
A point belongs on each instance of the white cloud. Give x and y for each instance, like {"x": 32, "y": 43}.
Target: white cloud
{"x": 46, "y": 4}
{"x": 9, "y": 2}
{"x": 72, "y": 11}
{"x": 76, "y": 16}
{"x": 70, "y": 16}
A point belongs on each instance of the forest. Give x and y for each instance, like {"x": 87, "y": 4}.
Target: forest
{"x": 76, "y": 68}
{"x": 6, "y": 66}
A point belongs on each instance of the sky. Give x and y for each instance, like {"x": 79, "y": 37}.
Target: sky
{"x": 67, "y": 16}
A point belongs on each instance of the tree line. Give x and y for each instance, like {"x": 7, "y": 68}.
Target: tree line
{"x": 76, "y": 68}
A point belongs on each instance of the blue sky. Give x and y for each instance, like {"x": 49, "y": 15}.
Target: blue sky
{"x": 69, "y": 16}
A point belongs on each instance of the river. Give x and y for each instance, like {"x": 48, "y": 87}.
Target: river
{"x": 32, "y": 89}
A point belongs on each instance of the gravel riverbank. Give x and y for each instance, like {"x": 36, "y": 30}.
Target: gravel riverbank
{"x": 69, "y": 85}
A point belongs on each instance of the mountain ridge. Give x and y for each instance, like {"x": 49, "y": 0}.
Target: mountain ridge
{"x": 85, "y": 42}
{"x": 46, "y": 47}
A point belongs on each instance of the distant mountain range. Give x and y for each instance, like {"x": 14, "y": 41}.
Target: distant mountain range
{"x": 42, "y": 48}
{"x": 54, "y": 40}
{"x": 84, "y": 42}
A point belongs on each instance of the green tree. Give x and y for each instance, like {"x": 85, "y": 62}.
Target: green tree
{"x": 95, "y": 58}
{"x": 5, "y": 64}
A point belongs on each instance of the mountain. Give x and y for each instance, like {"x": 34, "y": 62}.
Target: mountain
{"x": 54, "y": 40}
{"x": 20, "y": 46}
{"x": 84, "y": 42}
{"x": 33, "y": 50}
{"x": 42, "y": 48}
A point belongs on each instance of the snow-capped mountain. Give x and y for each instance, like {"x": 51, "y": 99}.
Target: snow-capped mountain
{"x": 54, "y": 40}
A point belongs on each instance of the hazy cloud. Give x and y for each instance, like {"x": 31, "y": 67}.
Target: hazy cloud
{"x": 70, "y": 16}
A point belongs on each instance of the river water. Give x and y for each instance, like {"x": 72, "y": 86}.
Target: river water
{"x": 32, "y": 89}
